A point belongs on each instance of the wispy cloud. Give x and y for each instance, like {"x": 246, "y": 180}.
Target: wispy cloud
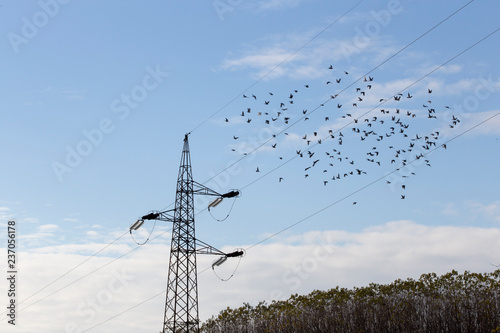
{"x": 489, "y": 211}
{"x": 487, "y": 122}
{"x": 279, "y": 57}
{"x": 30, "y": 220}
{"x": 48, "y": 228}
{"x": 278, "y": 4}
{"x": 473, "y": 211}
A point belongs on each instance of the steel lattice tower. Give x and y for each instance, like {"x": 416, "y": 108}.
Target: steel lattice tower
{"x": 181, "y": 308}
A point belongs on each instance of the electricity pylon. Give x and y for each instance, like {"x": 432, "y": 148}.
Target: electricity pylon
{"x": 181, "y": 308}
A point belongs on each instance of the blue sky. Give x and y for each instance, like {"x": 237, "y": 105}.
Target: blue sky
{"x": 120, "y": 83}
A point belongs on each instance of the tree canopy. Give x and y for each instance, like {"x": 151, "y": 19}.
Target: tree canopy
{"x": 453, "y": 302}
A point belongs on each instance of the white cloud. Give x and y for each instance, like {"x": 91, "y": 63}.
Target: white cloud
{"x": 278, "y": 4}
{"x": 280, "y": 57}
{"x": 447, "y": 69}
{"x": 294, "y": 264}
{"x": 487, "y": 122}
{"x": 451, "y": 69}
{"x": 84, "y": 249}
{"x": 477, "y": 87}
{"x": 450, "y": 209}
{"x": 30, "y": 220}
{"x": 48, "y": 228}
{"x": 490, "y": 125}
{"x": 92, "y": 233}
{"x": 489, "y": 211}
{"x": 5, "y": 213}
{"x": 381, "y": 254}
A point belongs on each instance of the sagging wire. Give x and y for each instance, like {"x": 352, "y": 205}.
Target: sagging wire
{"x": 240, "y": 253}
{"x": 225, "y": 218}
{"x": 136, "y": 226}
{"x": 231, "y": 194}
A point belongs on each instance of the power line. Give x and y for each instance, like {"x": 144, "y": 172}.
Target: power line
{"x": 448, "y": 61}
{"x": 346, "y": 196}
{"x": 376, "y": 67}
{"x": 458, "y": 10}
{"x": 84, "y": 276}
{"x": 69, "y": 271}
{"x": 125, "y": 311}
{"x": 307, "y": 217}
{"x": 203, "y": 122}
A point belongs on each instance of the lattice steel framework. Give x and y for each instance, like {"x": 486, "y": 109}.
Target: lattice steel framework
{"x": 181, "y": 308}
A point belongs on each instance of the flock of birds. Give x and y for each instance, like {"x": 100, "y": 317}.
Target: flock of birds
{"x": 385, "y": 132}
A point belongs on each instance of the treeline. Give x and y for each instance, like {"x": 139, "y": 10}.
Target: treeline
{"x": 468, "y": 302}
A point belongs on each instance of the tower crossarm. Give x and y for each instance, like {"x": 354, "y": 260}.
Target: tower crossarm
{"x": 204, "y": 248}
{"x": 203, "y": 190}
{"x": 166, "y": 215}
